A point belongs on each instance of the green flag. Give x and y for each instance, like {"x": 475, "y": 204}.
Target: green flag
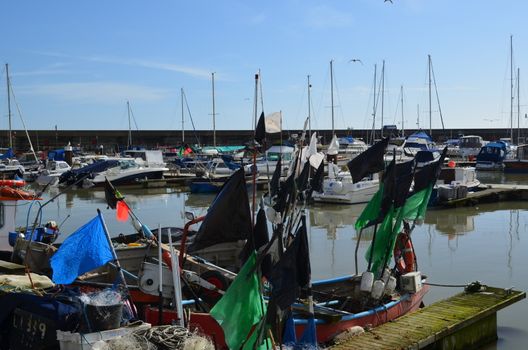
{"x": 416, "y": 205}
{"x": 241, "y": 307}
{"x": 386, "y": 235}
{"x": 371, "y": 211}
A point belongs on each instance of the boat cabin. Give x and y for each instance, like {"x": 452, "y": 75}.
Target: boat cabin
{"x": 274, "y": 152}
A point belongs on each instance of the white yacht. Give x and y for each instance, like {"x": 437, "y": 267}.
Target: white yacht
{"x": 126, "y": 171}
{"x": 51, "y": 174}
{"x": 338, "y": 187}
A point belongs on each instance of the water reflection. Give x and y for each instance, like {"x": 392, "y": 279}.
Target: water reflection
{"x": 332, "y": 217}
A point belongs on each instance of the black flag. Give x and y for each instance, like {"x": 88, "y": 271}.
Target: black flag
{"x": 429, "y": 173}
{"x": 228, "y": 219}
{"x": 259, "y": 239}
{"x": 112, "y": 195}
{"x": 368, "y": 162}
{"x": 316, "y": 183}
{"x": 260, "y": 131}
{"x": 275, "y": 179}
{"x": 292, "y": 271}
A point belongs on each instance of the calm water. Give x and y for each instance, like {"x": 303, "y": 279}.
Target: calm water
{"x": 486, "y": 243}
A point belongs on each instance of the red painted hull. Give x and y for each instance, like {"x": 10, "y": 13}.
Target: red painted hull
{"x": 207, "y": 325}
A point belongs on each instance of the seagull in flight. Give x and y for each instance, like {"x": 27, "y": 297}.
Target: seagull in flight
{"x": 356, "y": 60}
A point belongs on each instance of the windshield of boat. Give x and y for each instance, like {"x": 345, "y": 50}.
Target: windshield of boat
{"x": 471, "y": 142}
{"x": 419, "y": 145}
{"x": 128, "y": 164}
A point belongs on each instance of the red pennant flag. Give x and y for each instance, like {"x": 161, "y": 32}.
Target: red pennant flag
{"x": 122, "y": 211}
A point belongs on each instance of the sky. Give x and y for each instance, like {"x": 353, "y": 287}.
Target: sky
{"x": 75, "y": 64}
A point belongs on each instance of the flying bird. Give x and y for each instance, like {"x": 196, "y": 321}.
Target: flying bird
{"x": 356, "y": 60}
{"x": 388, "y": 1}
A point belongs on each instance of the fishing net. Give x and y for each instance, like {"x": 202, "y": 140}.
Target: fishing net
{"x": 127, "y": 342}
{"x": 174, "y": 337}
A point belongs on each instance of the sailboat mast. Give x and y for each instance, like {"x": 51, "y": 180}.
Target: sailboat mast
{"x": 182, "y": 120}
{"x": 518, "y": 105}
{"x": 129, "y": 127}
{"x": 374, "y": 106}
{"x": 10, "y": 135}
{"x": 430, "y": 105}
{"x": 511, "y": 87}
{"x": 309, "y": 107}
{"x": 214, "y": 113}
{"x": 403, "y": 126}
{"x": 255, "y": 106}
{"x": 332, "y": 94}
{"x": 382, "y": 94}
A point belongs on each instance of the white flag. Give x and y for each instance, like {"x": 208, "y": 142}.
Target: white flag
{"x": 273, "y": 123}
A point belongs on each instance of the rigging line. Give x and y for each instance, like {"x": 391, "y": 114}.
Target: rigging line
{"x": 321, "y": 100}
{"x": 23, "y": 123}
{"x": 437, "y": 97}
{"x": 190, "y": 117}
{"x": 339, "y": 102}
{"x": 134, "y": 118}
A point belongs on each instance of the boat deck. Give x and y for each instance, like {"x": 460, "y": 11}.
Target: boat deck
{"x": 466, "y": 320}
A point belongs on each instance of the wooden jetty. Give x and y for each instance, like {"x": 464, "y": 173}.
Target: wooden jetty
{"x": 489, "y": 193}
{"x": 464, "y": 321}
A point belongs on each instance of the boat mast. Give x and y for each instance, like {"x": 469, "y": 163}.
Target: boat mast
{"x": 182, "y": 120}
{"x": 129, "y": 127}
{"x": 255, "y": 106}
{"x": 214, "y": 114}
{"x": 309, "y": 107}
{"x": 403, "y": 126}
{"x": 382, "y": 94}
{"x": 9, "y": 105}
{"x": 430, "y": 105}
{"x": 518, "y": 106}
{"x": 374, "y": 107}
{"x": 332, "y": 94}
{"x": 511, "y": 87}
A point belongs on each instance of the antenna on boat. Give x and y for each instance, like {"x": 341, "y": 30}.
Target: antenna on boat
{"x": 403, "y": 121}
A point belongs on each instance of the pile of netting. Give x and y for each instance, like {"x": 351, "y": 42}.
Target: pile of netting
{"x": 159, "y": 338}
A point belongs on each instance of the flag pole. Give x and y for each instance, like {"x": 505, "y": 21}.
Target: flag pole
{"x": 118, "y": 265}
{"x": 177, "y": 284}
{"x": 160, "y": 287}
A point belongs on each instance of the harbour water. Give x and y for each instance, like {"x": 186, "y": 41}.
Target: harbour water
{"x": 454, "y": 247}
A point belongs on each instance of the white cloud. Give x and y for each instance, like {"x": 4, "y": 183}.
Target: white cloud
{"x": 192, "y": 71}
{"x": 96, "y": 92}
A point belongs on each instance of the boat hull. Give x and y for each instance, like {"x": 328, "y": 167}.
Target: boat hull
{"x": 129, "y": 178}
{"x": 347, "y": 193}
{"x": 326, "y": 330}
{"x": 516, "y": 166}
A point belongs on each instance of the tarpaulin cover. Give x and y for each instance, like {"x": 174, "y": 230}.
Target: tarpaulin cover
{"x": 84, "y": 250}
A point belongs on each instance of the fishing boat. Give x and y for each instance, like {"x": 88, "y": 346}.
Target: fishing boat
{"x": 492, "y": 156}
{"x": 519, "y": 164}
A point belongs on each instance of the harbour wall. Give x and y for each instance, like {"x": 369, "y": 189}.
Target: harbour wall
{"x": 112, "y": 140}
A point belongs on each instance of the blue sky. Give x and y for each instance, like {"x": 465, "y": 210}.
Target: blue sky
{"x": 74, "y": 64}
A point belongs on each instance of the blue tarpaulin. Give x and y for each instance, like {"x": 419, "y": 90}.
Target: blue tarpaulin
{"x": 84, "y": 250}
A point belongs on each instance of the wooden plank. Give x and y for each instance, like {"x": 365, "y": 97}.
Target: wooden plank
{"x": 447, "y": 319}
